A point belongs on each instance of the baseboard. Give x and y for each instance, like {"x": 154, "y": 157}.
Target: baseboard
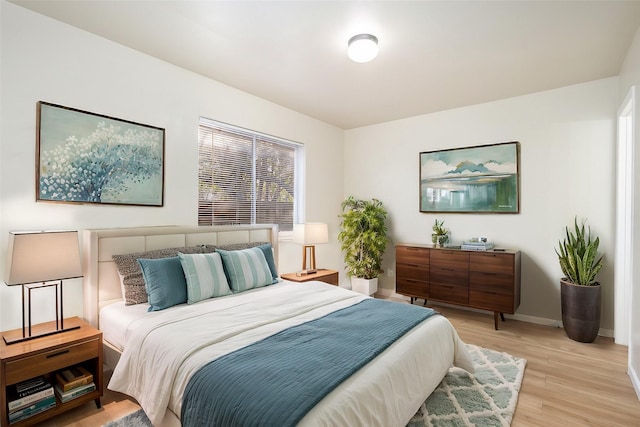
{"x": 635, "y": 379}
{"x": 389, "y": 293}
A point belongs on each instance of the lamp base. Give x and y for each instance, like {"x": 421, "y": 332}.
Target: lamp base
{"x": 9, "y": 339}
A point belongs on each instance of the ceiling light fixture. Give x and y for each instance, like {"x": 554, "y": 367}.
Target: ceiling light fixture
{"x": 363, "y": 48}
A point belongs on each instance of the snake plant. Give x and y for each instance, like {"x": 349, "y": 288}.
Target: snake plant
{"x": 578, "y": 255}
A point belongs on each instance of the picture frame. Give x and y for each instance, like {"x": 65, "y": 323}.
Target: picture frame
{"x": 84, "y": 157}
{"x": 477, "y": 179}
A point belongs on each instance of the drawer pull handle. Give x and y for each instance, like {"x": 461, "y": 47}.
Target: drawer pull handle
{"x": 490, "y": 274}
{"x": 447, "y": 269}
{"x": 413, "y": 265}
{"x": 60, "y": 353}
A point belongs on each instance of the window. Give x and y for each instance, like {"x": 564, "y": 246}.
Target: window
{"x": 245, "y": 177}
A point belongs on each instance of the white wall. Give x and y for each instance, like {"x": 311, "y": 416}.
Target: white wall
{"x": 630, "y": 76}
{"x": 43, "y": 59}
{"x": 567, "y": 139}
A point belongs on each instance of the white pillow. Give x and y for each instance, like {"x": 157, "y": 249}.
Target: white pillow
{"x": 205, "y": 276}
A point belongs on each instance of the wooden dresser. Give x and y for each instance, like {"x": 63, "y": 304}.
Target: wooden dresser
{"x": 488, "y": 280}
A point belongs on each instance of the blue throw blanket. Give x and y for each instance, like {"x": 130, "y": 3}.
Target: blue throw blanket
{"x": 276, "y": 381}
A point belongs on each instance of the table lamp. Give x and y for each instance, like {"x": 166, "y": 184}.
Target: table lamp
{"x": 308, "y": 235}
{"x": 40, "y": 259}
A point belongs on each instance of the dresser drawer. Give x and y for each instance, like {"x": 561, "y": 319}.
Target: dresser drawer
{"x": 449, "y": 293}
{"x": 491, "y": 281}
{"x": 43, "y": 363}
{"x": 449, "y": 276}
{"x": 412, "y": 255}
{"x": 494, "y": 301}
{"x": 445, "y": 258}
{"x": 414, "y": 288}
{"x": 412, "y": 271}
{"x": 491, "y": 262}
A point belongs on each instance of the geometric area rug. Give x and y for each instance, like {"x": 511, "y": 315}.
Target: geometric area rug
{"x": 486, "y": 398}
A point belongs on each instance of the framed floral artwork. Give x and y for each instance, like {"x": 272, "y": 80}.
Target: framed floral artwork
{"x": 83, "y": 157}
{"x": 481, "y": 179}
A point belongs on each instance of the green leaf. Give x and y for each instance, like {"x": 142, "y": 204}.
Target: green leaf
{"x": 578, "y": 255}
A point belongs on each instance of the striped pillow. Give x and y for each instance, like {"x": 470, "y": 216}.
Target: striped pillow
{"x": 205, "y": 276}
{"x": 246, "y": 269}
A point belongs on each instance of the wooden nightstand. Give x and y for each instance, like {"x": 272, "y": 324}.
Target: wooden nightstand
{"x": 47, "y": 355}
{"x": 327, "y": 276}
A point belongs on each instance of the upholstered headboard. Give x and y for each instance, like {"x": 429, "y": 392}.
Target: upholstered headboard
{"x": 101, "y": 283}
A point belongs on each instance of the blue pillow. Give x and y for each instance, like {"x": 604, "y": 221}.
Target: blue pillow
{"x": 271, "y": 262}
{"x": 164, "y": 281}
{"x": 205, "y": 276}
{"x": 246, "y": 268}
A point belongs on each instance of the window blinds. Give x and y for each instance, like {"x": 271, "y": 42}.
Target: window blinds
{"x": 244, "y": 177}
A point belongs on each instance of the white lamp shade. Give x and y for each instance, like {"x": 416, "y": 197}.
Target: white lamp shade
{"x": 362, "y": 48}
{"x": 42, "y": 256}
{"x": 310, "y": 233}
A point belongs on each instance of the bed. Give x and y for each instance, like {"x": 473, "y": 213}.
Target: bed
{"x": 386, "y": 391}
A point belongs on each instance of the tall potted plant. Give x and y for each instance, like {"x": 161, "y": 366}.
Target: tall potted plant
{"x": 580, "y": 292}
{"x": 363, "y": 239}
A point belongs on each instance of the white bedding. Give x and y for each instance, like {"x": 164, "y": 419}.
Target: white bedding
{"x": 115, "y": 320}
{"x": 155, "y": 369}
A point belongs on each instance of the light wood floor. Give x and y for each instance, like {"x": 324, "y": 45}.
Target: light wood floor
{"x": 565, "y": 383}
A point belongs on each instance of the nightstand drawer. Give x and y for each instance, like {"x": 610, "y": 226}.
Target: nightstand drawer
{"x": 29, "y": 367}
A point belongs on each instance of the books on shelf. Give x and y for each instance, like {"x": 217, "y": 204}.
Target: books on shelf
{"x": 73, "y": 377}
{"x": 29, "y": 398}
{"x": 73, "y": 382}
{"x": 66, "y": 396}
{"x": 31, "y": 410}
{"x": 36, "y": 391}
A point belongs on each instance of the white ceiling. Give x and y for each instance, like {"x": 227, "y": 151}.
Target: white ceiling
{"x": 434, "y": 55}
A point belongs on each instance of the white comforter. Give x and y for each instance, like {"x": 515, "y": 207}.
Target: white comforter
{"x": 163, "y": 349}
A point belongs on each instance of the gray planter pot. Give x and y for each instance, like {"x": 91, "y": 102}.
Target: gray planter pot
{"x": 581, "y": 306}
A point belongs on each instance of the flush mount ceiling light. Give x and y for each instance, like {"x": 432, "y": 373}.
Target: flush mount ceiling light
{"x": 363, "y": 48}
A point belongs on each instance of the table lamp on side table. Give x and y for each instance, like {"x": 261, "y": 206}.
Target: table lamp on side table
{"x": 40, "y": 259}
{"x": 308, "y": 235}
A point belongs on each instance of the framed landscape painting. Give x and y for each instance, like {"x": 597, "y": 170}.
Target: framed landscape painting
{"x": 481, "y": 179}
{"x": 84, "y": 157}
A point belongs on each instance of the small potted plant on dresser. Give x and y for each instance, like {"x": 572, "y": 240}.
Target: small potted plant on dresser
{"x": 363, "y": 239}
{"x": 440, "y": 235}
{"x": 579, "y": 291}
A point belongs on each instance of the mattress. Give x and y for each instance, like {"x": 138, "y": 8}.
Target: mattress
{"x": 178, "y": 341}
{"x": 115, "y": 320}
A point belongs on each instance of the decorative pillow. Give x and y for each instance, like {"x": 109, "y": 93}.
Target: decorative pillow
{"x": 205, "y": 276}
{"x": 132, "y": 279}
{"x": 246, "y": 268}
{"x": 268, "y": 254}
{"x": 164, "y": 281}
